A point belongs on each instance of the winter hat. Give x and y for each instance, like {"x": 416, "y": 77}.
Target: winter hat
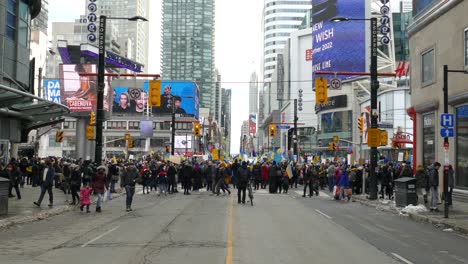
{"x": 102, "y": 167}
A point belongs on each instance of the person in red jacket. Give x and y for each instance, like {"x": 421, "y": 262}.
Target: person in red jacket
{"x": 264, "y": 172}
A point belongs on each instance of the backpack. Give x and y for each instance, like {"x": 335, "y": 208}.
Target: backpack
{"x": 243, "y": 176}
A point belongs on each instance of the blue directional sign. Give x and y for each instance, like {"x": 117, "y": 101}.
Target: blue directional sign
{"x": 447, "y": 120}
{"x": 447, "y": 132}
{"x": 283, "y": 127}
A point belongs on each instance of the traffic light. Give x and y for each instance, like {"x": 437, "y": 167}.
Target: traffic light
{"x": 130, "y": 143}
{"x": 154, "y": 98}
{"x": 383, "y": 138}
{"x": 89, "y": 132}
{"x": 92, "y": 119}
{"x": 196, "y": 129}
{"x": 59, "y": 136}
{"x": 361, "y": 124}
{"x": 332, "y": 146}
{"x": 272, "y": 130}
{"x": 321, "y": 96}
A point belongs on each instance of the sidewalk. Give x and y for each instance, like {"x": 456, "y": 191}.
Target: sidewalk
{"x": 24, "y": 211}
{"x": 457, "y": 221}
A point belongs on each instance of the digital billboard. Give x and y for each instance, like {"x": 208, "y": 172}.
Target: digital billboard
{"x": 132, "y": 98}
{"x": 338, "y": 46}
{"x": 182, "y": 142}
{"x": 77, "y": 92}
{"x": 52, "y": 90}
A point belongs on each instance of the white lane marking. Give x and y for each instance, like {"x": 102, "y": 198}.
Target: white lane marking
{"x": 99, "y": 237}
{"x": 327, "y": 216}
{"x": 401, "y": 258}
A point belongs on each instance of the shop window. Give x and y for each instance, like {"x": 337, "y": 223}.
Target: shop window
{"x": 428, "y": 67}
{"x": 461, "y": 171}
{"x": 428, "y": 145}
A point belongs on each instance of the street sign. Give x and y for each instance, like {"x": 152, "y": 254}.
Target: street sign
{"x": 385, "y": 125}
{"x": 283, "y": 127}
{"x": 335, "y": 84}
{"x": 447, "y": 120}
{"x": 373, "y": 138}
{"x": 447, "y": 132}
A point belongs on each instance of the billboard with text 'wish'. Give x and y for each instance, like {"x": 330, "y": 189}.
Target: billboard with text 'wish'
{"x": 338, "y": 46}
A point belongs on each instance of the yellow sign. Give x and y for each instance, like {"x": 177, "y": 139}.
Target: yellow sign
{"x": 373, "y": 137}
{"x": 214, "y": 154}
{"x": 89, "y": 132}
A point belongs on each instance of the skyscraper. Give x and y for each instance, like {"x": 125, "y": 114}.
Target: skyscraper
{"x": 280, "y": 18}
{"x": 136, "y": 32}
{"x": 188, "y": 45}
{"x": 253, "y": 94}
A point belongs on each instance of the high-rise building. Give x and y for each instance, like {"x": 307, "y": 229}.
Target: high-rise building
{"x": 226, "y": 113}
{"x": 253, "y": 94}
{"x": 217, "y": 97}
{"x": 188, "y": 45}
{"x": 137, "y": 32}
{"x": 280, "y": 18}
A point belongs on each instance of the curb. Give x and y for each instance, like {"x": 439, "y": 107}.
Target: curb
{"x": 15, "y": 220}
{"x": 438, "y": 223}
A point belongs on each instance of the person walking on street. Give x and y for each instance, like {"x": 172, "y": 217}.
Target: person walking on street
{"x": 433, "y": 174}
{"x": 15, "y": 178}
{"x": 422, "y": 186}
{"x": 171, "y": 178}
{"x": 128, "y": 181}
{"x": 330, "y": 176}
{"x": 264, "y": 175}
{"x": 85, "y": 194}
{"x": 75, "y": 183}
{"x": 99, "y": 183}
{"x": 243, "y": 175}
{"x": 46, "y": 181}
{"x": 308, "y": 181}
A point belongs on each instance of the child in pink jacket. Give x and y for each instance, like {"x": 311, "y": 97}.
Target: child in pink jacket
{"x": 85, "y": 194}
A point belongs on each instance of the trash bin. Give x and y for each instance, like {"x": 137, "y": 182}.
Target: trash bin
{"x": 405, "y": 192}
{"x": 4, "y": 186}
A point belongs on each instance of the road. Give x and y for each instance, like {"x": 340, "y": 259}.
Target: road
{"x": 201, "y": 228}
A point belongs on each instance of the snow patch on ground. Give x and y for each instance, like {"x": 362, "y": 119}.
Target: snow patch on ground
{"x": 448, "y": 230}
{"x": 412, "y": 209}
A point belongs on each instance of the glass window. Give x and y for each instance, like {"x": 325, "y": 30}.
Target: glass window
{"x": 428, "y": 67}
{"x": 466, "y": 48}
{"x": 428, "y": 145}
{"x": 461, "y": 170}
{"x": 337, "y": 122}
{"x": 23, "y": 33}
{"x": 69, "y": 141}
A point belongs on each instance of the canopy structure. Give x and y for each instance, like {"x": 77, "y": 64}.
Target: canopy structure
{"x": 34, "y": 112}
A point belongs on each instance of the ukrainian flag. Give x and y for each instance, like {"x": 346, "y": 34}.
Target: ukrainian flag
{"x": 289, "y": 171}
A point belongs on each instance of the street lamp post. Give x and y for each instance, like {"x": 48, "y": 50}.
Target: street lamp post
{"x": 373, "y": 98}
{"x": 100, "y": 80}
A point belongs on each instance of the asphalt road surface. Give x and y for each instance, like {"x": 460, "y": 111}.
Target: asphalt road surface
{"x": 201, "y": 228}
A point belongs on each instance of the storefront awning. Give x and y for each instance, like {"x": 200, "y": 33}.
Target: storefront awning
{"x": 33, "y": 111}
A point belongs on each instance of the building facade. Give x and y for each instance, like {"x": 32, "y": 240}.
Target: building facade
{"x": 188, "y": 45}
{"x": 253, "y": 94}
{"x": 438, "y": 36}
{"x": 280, "y": 18}
{"x": 138, "y": 32}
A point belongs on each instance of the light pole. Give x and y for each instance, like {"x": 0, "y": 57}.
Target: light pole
{"x": 100, "y": 81}
{"x": 373, "y": 98}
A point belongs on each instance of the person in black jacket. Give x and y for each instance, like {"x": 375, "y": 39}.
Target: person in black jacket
{"x": 171, "y": 178}
{"x": 75, "y": 183}
{"x": 187, "y": 175}
{"x": 46, "y": 181}
{"x": 243, "y": 176}
{"x": 386, "y": 181}
{"x": 256, "y": 174}
{"x": 433, "y": 174}
{"x": 15, "y": 178}
{"x": 128, "y": 181}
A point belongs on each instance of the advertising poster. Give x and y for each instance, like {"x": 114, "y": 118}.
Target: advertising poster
{"x": 338, "y": 46}
{"x": 79, "y": 92}
{"x": 182, "y": 142}
{"x": 133, "y": 99}
{"x": 52, "y": 90}
{"x": 365, "y": 113}
{"x": 252, "y": 124}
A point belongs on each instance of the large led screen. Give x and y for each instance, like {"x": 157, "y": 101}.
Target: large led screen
{"x": 133, "y": 99}
{"x": 338, "y": 46}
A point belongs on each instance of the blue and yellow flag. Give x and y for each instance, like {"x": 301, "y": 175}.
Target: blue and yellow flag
{"x": 289, "y": 171}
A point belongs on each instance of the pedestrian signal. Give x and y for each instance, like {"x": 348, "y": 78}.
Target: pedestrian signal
{"x": 272, "y": 130}
{"x": 321, "y": 96}
{"x": 154, "y": 98}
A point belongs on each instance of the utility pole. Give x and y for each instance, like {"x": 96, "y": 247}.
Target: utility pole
{"x": 100, "y": 89}
{"x": 446, "y": 143}
{"x": 374, "y": 116}
{"x": 173, "y": 127}
{"x": 295, "y": 131}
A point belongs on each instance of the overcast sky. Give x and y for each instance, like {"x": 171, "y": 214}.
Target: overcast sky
{"x": 237, "y": 46}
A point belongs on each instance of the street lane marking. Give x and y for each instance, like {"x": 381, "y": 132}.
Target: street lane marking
{"x": 99, "y": 237}
{"x": 401, "y": 258}
{"x": 229, "y": 234}
{"x": 327, "y": 216}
